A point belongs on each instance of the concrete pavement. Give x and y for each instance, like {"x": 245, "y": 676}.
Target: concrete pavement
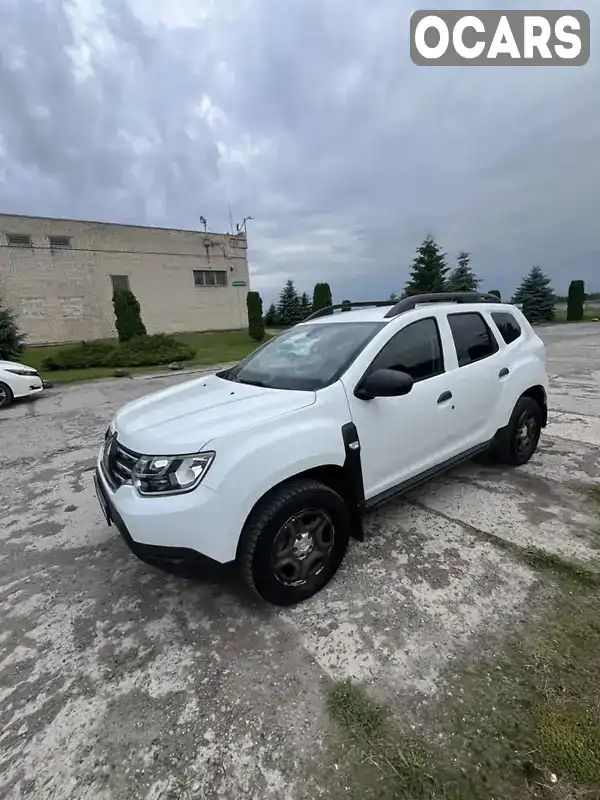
{"x": 118, "y": 681}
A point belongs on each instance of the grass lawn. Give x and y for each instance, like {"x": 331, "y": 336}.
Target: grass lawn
{"x": 591, "y": 311}
{"x": 521, "y": 722}
{"x": 211, "y": 348}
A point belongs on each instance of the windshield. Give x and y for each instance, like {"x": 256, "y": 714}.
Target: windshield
{"x": 307, "y": 357}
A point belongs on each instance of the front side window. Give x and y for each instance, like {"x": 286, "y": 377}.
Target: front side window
{"x": 416, "y": 350}
{"x": 509, "y": 328}
{"x": 472, "y": 337}
{"x": 306, "y": 357}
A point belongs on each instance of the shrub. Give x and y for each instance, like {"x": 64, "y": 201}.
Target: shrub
{"x": 576, "y": 300}
{"x": 141, "y": 351}
{"x": 321, "y": 296}
{"x": 256, "y": 325}
{"x": 128, "y": 315}
{"x": 496, "y": 292}
{"x": 79, "y": 356}
{"x": 11, "y": 339}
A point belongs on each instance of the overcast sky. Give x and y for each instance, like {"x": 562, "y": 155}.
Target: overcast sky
{"x": 309, "y": 116}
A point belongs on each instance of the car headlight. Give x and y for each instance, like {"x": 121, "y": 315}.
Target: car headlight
{"x": 157, "y": 475}
{"x": 29, "y": 373}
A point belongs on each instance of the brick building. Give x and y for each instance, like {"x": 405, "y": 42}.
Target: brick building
{"x": 58, "y": 275}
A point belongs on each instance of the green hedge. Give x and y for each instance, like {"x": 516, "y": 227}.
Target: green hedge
{"x": 142, "y": 351}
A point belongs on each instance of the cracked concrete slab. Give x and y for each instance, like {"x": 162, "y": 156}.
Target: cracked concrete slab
{"x": 120, "y": 682}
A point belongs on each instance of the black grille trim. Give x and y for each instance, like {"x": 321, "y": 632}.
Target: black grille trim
{"x": 118, "y": 463}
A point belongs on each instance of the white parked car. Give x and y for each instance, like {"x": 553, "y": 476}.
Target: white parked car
{"x": 18, "y": 380}
{"x": 273, "y": 463}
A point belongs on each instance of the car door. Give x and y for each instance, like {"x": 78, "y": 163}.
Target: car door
{"x": 401, "y": 437}
{"x": 474, "y": 375}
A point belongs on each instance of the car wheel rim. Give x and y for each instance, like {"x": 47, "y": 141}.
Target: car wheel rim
{"x": 302, "y": 547}
{"x": 526, "y": 432}
{"x": 3, "y": 395}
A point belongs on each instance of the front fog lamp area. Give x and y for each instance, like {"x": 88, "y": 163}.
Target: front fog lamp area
{"x": 154, "y": 475}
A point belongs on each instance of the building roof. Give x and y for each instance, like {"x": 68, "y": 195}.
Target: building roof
{"x": 117, "y": 224}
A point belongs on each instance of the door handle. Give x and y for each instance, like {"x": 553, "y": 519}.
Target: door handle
{"x": 444, "y": 397}
{"x": 503, "y": 372}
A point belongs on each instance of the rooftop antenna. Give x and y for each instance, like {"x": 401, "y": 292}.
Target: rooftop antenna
{"x": 230, "y": 217}
{"x": 203, "y": 223}
{"x": 244, "y": 221}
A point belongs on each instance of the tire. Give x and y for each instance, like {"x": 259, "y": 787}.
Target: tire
{"x": 6, "y": 395}
{"x": 515, "y": 446}
{"x": 301, "y": 526}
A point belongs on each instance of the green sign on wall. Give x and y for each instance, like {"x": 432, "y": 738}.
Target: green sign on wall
{"x": 238, "y": 283}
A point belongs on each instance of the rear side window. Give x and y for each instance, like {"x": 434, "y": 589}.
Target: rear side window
{"x": 416, "y": 349}
{"x": 472, "y": 337}
{"x": 509, "y": 328}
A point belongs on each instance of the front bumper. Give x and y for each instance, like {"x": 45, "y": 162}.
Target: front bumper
{"x": 164, "y": 557}
{"x": 26, "y": 386}
{"x": 187, "y": 527}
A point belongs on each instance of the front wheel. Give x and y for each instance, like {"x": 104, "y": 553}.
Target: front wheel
{"x": 294, "y": 542}
{"x": 6, "y": 395}
{"x": 517, "y": 443}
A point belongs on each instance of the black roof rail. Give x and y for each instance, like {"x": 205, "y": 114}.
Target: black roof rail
{"x": 408, "y": 303}
{"x": 323, "y": 312}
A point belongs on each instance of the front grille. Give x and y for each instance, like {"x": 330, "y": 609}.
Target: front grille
{"x": 118, "y": 463}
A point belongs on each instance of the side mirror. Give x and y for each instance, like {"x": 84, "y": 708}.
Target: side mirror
{"x": 384, "y": 383}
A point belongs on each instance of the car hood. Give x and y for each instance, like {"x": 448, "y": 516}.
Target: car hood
{"x": 15, "y": 364}
{"x": 184, "y": 418}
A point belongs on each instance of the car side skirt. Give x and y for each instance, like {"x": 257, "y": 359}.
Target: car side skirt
{"x": 401, "y": 488}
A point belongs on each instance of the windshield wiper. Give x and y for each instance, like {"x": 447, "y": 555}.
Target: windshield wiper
{"x": 253, "y": 383}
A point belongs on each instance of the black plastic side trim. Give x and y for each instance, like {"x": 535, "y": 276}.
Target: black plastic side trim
{"x": 423, "y": 477}
{"x": 353, "y": 471}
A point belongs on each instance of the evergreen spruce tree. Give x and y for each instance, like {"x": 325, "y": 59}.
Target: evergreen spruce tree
{"x": 12, "y": 341}
{"x": 575, "y": 301}
{"x": 288, "y": 308}
{"x": 428, "y": 272}
{"x": 271, "y": 315}
{"x": 128, "y": 315}
{"x": 305, "y": 306}
{"x": 321, "y": 296}
{"x": 256, "y": 325}
{"x": 462, "y": 278}
{"x": 536, "y": 296}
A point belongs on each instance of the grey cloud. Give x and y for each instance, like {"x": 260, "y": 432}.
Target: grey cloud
{"x": 309, "y": 116}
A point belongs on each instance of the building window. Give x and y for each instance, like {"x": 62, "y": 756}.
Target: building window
{"x": 120, "y": 283}
{"x": 210, "y": 277}
{"x": 60, "y": 242}
{"x": 18, "y": 240}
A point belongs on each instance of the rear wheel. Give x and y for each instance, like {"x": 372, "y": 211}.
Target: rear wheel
{"x": 294, "y": 542}
{"x": 517, "y": 443}
{"x": 6, "y": 395}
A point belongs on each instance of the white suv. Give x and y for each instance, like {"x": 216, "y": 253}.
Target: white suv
{"x": 273, "y": 462}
